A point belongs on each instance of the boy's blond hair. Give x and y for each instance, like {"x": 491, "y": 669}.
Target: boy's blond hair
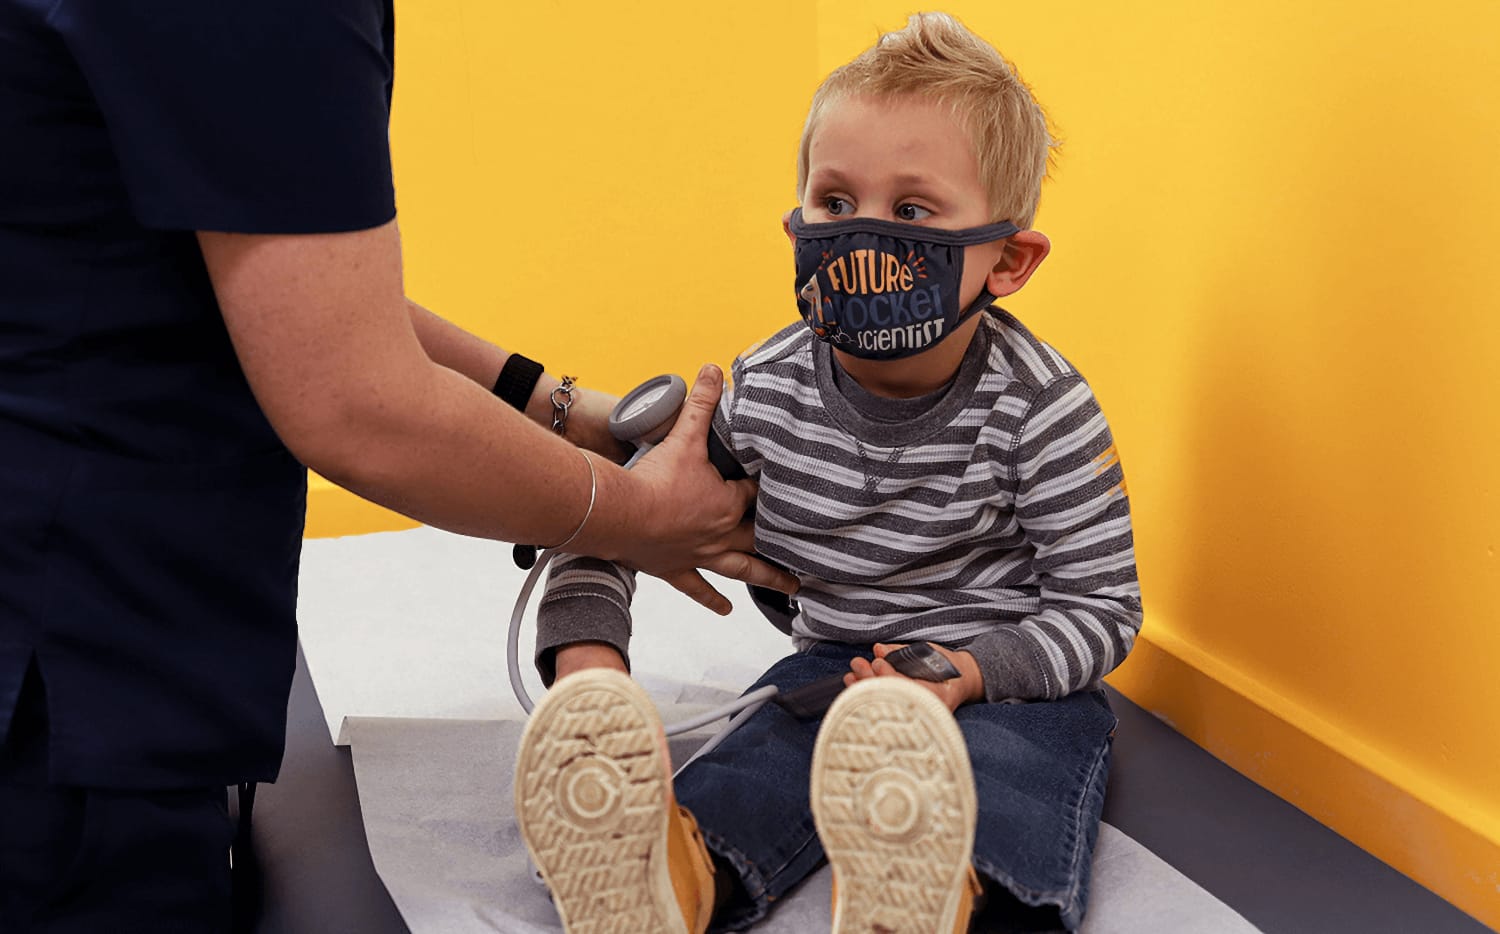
{"x": 937, "y": 57}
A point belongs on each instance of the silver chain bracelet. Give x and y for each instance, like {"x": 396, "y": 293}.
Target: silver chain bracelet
{"x": 562, "y": 401}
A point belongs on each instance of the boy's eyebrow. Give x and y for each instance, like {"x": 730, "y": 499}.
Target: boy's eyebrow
{"x": 831, "y": 174}
{"x": 935, "y": 187}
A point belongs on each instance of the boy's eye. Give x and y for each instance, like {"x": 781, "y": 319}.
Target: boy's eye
{"x": 836, "y": 206}
{"x": 912, "y": 212}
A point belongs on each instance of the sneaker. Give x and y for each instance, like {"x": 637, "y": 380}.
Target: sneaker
{"x": 595, "y": 807}
{"x": 893, "y": 800}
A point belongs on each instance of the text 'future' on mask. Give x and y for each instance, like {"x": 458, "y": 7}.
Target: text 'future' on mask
{"x": 880, "y": 289}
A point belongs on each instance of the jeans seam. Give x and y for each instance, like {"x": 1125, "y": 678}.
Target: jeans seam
{"x": 809, "y": 834}
{"x": 1065, "y": 899}
{"x": 1077, "y": 831}
{"x": 749, "y": 873}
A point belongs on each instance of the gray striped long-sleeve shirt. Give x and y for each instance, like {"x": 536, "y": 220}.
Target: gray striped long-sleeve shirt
{"x": 991, "y": 516}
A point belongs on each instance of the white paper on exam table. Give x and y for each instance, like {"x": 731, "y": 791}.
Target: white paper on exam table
{"x": 413, "y": 624}
{"x": 404, "y": 634}
{"x": 436, "y": 796}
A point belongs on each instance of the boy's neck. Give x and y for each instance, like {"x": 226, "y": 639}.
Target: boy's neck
{"x": 910, "y": 377}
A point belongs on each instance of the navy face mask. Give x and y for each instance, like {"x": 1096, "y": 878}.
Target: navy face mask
{"x": 882, "y": 290}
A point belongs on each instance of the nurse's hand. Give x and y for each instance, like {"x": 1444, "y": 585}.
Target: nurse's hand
{"x": 738, "y": 562}
{"x": 588, "y": 424}
{"x": 690, "y": 517}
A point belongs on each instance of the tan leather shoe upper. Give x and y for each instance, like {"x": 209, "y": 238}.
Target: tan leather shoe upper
{"x": 692, "y": 870}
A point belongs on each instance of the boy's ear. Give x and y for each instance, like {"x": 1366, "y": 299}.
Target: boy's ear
{"x": 786, "y": 225}
{"x": 1023, "y": 253}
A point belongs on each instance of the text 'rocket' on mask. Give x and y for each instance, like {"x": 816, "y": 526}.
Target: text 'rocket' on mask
{"x": 881, "y": 289}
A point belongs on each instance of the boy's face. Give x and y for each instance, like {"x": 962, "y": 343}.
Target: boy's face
{"x": 902, "y": 159}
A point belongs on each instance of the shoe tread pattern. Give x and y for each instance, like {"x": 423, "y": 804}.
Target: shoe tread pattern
{"x": 591, "y": 801}
{"x": 893, "y": 800}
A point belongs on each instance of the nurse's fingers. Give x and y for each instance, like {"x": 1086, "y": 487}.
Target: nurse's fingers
{"x": 752, "y": 570}
{"x": 697, "y": 413}
{"x": 742, "y": 538}
{"x": 693, "y": 584}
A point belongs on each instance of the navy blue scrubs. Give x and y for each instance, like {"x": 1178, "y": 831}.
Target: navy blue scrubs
{"x": 150, "y": 519}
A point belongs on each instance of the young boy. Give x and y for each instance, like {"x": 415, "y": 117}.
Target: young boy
{"x": 931, "y": 472}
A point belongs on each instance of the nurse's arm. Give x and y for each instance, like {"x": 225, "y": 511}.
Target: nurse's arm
{"x": 451, "y": 346}
{"x": 321, "y": 327}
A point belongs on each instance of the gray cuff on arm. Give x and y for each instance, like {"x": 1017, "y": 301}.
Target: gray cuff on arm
{"x": 1013, "y": 666}
{"x": 565, "y": 618}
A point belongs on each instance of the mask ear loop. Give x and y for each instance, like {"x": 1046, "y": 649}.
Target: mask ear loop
{"x": 983, "y": 300}
{"x": 968, "y": 236}
{"x": 986, "y": 298}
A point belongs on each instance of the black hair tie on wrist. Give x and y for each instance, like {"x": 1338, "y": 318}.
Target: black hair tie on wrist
{"x": 518, "y": 378}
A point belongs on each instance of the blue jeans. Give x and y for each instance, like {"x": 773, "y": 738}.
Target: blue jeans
{"x": 1039, "y": 770}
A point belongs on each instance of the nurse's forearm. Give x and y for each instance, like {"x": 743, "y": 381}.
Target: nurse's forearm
{"x": 451, "y": 346}
{"x": 440, "y": 448}
{"x": 322, "y": 330}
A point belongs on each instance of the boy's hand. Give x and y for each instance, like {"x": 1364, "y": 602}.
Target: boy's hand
{"x": 967, "y": 688}
{"x": 576, "y": 656}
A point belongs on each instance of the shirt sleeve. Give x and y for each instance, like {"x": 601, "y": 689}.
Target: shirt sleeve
{"x": 587, "y": 600}
{"x": 264, "y": 117}
{"x": 725, "y": 420}
{"x": 1072, "y": 505}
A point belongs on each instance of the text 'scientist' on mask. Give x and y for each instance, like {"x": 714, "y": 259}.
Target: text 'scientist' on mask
{"x": 881, "y": 289}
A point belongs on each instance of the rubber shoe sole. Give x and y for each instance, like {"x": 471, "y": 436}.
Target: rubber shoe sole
{"x": 592, "y": 797}
{"x": 893, "y": 800}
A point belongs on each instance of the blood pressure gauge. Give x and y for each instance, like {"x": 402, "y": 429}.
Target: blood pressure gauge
{"x": 642, "y": 418}
{"x": 648, "y": 411}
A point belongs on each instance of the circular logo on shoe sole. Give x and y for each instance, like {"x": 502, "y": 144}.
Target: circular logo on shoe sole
{"x": 589, "y": 791}
{"x": 892, "y": 804}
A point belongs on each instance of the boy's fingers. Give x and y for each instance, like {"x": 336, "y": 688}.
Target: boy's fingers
{"x": 945, "y": 691}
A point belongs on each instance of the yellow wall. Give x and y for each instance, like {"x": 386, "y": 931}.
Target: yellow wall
{"x": 597, "y": 185}
{"x": 1274, "y": 229}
